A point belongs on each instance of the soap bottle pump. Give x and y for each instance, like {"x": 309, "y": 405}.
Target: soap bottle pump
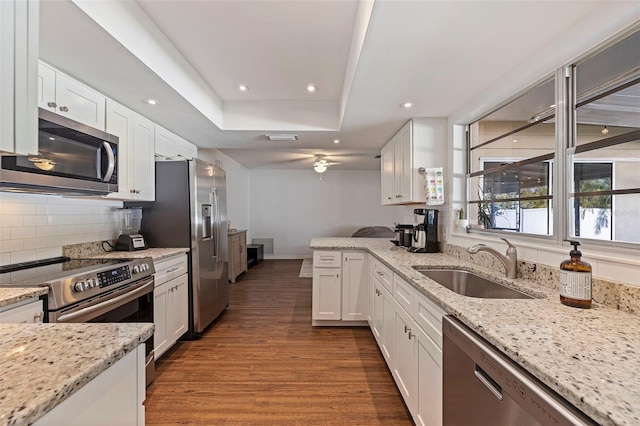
{"x": 575, "y": 280}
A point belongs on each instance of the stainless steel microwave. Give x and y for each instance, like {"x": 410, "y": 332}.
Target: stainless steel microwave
{"x": 72, "y": 159}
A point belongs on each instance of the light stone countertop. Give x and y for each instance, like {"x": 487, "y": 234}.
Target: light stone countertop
{"x": 11, "y": 295}
{"x": 236, "y": 231}
{"x": 155, "y": 253}
{"x": 43, "y": 364}
{"x": 591, "y": 357}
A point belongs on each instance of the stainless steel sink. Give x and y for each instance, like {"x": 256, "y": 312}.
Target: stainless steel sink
{"x": 472, "y": 285}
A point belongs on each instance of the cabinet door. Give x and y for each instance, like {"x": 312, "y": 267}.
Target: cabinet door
{"x": 407, "y": 163}
{"x": 29, "y": 313}
{"x": 387, "y": 320}
{"x": 355, "y": 285}
{"x": 327, "y": 291}
{"x": 120, "y": 123}
{"x": 177, "y": 311}
{"x": 386, "y": 163}
{"x": 46, "y": 87}
{"x": 79, "y": 102}
{"x": 242, "y": 252}
{"x": 142, "y": 164}
{"x": 18, "y": 71}
{"x": 160, "y": 338}
{"x": 428, "y": 407}
{"x": 404, "y": 366}
{"x": 398, "y": 168}
{"x": 377, "y": 315}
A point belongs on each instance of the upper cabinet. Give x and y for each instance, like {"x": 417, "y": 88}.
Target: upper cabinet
{"x": 420, "y": 143}
{"x": 170, "y": 145}
{"x": 18, "y": 70}
{"x": 136, "y": 140}
{"x": 63, "y": 95}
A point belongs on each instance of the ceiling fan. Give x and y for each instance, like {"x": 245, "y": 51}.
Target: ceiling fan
{"x": 321, "y": 164}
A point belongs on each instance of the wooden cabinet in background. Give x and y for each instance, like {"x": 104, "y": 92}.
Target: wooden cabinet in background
{"x": 237, "y": 254}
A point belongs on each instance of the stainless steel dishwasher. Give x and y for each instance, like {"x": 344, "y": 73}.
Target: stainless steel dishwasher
{"x": 483, "y": 387}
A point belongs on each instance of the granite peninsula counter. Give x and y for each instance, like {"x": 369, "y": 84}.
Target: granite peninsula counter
{"x": 590, "y": 357}
{"x": 43, "y": 364}
{"x": 11, "y": 295}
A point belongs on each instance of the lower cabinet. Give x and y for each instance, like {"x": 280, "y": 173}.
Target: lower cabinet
{"x": 237, "y": 254}
{"x": 170, "y": 304}
{"x": 30, "y": 311}
{"x": 115, "y": 397}
{"x": 340, "y": 294}
{"x": 413, "y": 353}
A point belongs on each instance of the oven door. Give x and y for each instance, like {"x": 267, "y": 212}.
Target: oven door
{"x": 131, "y": 303}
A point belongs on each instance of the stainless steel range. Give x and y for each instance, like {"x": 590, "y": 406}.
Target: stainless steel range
{"x": 91, "y": 290}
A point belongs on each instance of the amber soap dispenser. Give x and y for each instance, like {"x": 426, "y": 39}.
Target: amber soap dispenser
{"x": 575, "y": 280}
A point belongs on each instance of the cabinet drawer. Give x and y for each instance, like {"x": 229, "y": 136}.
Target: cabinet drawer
{"x": 327, "y": 259}
{"x": 403, "y": 292}
{"x": 428, "y": 316}
{"x": 382, "y": 273}
{"x": 26, "y": 312}
{"x": 168, "y": 269}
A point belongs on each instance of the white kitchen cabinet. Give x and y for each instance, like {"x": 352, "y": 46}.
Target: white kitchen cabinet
{"x": 136, "y": 166}
{"x": 355, "y": 286}
{"x": 18, "y": 70}
{"x": 405, "y": 360}
{"x": 170, "y": 145}
{"x": 340, "y": 295}
{"x": 59, "y": 93}
{"x": 170, "y": 304}
{"x": 326, "y": 294}
{"x": 115, "y": 397}
{"x": 408, "y": 329}
{"x": 419, "y": 143}
{"x": 27, "y": 311}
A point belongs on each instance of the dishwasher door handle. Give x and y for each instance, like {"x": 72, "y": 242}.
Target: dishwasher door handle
{"x": 486, "y": 380}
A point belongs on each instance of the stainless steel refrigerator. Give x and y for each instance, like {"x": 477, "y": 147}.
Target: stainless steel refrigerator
{"x": 190, "y": 210}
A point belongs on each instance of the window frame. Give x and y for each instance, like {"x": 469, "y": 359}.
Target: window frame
{"x": 566, "y": 133}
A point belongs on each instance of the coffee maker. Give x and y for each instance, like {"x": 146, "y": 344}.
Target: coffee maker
{"x": 425, "y": 234}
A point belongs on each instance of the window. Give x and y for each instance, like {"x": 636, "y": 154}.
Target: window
{"x": 515, "y": 152}
{"x": 605, "y": 148}
{"x": 511, "y": 154}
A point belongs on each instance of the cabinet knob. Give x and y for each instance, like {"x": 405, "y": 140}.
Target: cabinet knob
{"x": 137, "y": 191}
{"x": 411, "y": 335}
{"x": 52, "y": 104}
{"x": 64, "y": 109}
{"x": 388, "y": 198}
{"x": 407, "y": 329}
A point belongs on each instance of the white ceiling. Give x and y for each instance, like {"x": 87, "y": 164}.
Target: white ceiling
{"x": 366, "y": 59}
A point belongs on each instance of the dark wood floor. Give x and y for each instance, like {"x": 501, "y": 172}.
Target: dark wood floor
{"x": 263, "y": 363}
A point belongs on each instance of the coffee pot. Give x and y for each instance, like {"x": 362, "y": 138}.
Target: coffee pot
{"x": 419, "y": 237}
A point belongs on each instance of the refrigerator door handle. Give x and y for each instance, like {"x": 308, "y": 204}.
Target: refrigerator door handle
{"x": 215, "y": 225}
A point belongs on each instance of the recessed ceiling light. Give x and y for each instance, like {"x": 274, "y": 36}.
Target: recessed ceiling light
{"x": 151, "y": 102}
{"x": 243, "y": 88}
{"x": 311, "y": 88}
{"x": 406, "y": 104}
{"x": 336, "y": 141}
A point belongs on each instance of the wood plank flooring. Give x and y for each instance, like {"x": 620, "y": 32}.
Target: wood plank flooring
{"x": 262, "y": 363}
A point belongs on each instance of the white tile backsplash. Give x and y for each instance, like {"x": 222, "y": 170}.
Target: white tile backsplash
{"x": 35, "y": 226}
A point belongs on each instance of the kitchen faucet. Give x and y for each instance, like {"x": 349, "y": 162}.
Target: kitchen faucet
{"x": 510, "y": 261}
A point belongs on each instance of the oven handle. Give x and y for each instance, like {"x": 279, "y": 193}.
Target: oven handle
{"x": 108, "y": 305}
{"x": 112, "y": 162}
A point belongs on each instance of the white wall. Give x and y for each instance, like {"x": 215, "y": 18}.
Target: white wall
{"x": 294, "y": 206}
{"x": 34, "y": 227}
{"x": 237, "y": 187}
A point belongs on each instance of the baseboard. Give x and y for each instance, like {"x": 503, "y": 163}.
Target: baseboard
{"x": 339, "y": 323}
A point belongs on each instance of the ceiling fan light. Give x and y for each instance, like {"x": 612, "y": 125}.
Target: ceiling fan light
{"x": 320, "y": 166}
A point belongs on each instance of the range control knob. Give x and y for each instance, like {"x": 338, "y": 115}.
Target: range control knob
{"x": 145, "y": 267}
{"x": 79, "y": 286}
{"x": 136, "y": 269}
{"x": 89, "y": 283}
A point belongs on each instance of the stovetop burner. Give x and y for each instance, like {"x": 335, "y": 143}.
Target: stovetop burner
{"x": 39, "y": 271}
{"x": 71, "y": 281}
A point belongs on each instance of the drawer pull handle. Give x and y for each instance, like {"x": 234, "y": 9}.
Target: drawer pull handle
{"x": 172, "y": 269}
{"x": 380, "y": 273}
{"x": 407, "y": 329}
